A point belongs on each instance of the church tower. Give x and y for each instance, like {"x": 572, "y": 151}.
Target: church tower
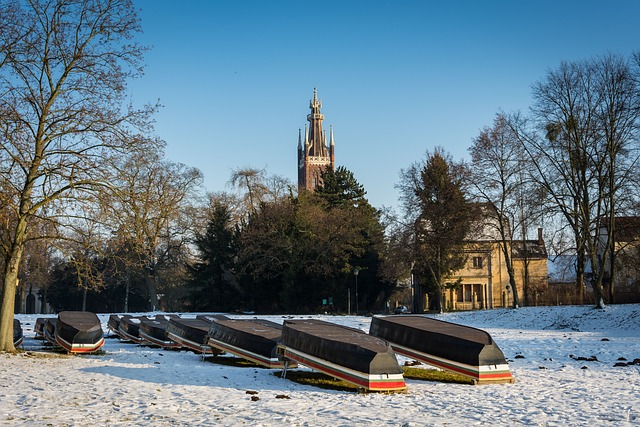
{"x": 314, "y": 155}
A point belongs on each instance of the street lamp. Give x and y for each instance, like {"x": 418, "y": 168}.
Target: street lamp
{"x": 356, "y": 270}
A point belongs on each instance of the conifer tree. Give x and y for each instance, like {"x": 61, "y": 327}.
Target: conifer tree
{"x": 436, "y": 205}
{"x": 213, "y": 284}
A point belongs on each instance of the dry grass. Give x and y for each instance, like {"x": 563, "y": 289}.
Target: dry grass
{"x": 434, "y": 375}
{"x": 320, "y": 380}
{"x": 232, "y": 361}
{"x": 317, "y": 379}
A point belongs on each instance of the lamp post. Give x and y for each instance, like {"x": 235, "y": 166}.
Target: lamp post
{"x": 356, "y": 270}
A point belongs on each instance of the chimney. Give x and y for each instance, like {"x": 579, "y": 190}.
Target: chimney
{"x": 540, "y": 240}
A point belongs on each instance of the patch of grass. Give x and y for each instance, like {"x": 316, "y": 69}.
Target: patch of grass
{"x": 434, "y": 375}
{"x": 232, "y": 361}
{"x": 317, "y": 379}
{"x": 320, "y": 380}
{"x": 48, "y": 351}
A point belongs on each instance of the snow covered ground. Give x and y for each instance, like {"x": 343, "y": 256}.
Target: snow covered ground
{"x": 545, "y": 347}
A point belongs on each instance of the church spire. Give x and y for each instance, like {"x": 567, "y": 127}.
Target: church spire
{"x": 317, "y": 145}
{"x": 331, "y": 143}
{"x": 317, "y": 154}
{"x": 332, "y": 147}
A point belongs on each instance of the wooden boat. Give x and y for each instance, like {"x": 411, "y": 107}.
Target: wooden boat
{"x": 129, "y": 328}
{"x": 192, "y": 334}
{"x": 18, "y": 336}
{"x": 38, "y": 328}
{"x": 251, "y": 339}
{"x": 457, "y": 348}
{"x": 79, "y": 332}
{"x": 341, "y": 352}
{"x": 154, "y": 332}
{"x": 49, "y": 330}
{"x": 113, "y": 324}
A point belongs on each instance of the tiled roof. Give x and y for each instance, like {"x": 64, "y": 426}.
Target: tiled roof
{"x": 535, "y": 249}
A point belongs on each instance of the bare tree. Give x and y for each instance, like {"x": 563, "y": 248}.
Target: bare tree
{"x": 497, "y": 176}
{"x": 584, "y": 142}
{"x": 250, "y": 182}
{"x": 35, "y": 272}
{"x": 147, "y": 203}
{"x": 255, "y": 187}
{"x": 618, "y": 117}
{"x": 64, "y": 68}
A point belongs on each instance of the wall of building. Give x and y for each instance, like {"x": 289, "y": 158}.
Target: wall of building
{"x": 484, "y": 281}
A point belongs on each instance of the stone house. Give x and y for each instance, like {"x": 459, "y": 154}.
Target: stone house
{"x": 627, "y": 259}
{"x": 484, "y": 281}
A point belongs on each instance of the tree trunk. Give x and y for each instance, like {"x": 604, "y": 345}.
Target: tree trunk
{"x": 597, "y": 275}
{"x": 611, "y": 277}
{"x": 153, "y": 294}
{"x": 126, "y": 295}
{"x": 612, "y": 254}
{"x": 84, "y": 298}
{"x": 580, "y": 285}
{"x": 512, "y": 275}
{"x": 10, "y": 284}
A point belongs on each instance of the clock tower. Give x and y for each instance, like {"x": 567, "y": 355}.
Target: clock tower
{"x": 314, "y": 155}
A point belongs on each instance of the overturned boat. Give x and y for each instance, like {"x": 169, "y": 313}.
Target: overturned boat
{"x": 255, "y": 340}
{"x": 129, "y": 328}
{"x": 18, "y": 335}
{"x": 113, "y": 324}
{"x": 462, "y": 349}
{"x": 79, "y": 332}
{"x": 154, "y": 332}
{"x": 341, "y": 352}
{"x": 192, "y": 334}
{"x": 38, "y": 328}
{"x": 49, "y": 330}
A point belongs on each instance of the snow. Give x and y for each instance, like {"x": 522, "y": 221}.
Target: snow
{"x": 136, "y": 385}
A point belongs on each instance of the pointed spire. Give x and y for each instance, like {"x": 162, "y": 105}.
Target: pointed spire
{"x": 315, "y": 104}
{"x": 317, "y": 153}
{"x": 331, "y": 135}
{"x": 299, "y": 138}
{"x": 324, "y": 142}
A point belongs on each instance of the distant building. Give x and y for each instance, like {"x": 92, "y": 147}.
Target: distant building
{"x": 29, "y": 300}
{"x": 483, "y": 283}
{"x": 314, "y": 155}
{"x": 627, "y": 258}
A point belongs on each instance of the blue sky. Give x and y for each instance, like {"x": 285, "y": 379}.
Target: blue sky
{"x": 396, "y": 78}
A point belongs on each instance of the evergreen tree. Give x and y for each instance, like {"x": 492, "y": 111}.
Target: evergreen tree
{"x": 340, "y": 188}
{"x": 267, "y": 254}
{"x": 213, "y": 285}
{"x": 436, "y": 205}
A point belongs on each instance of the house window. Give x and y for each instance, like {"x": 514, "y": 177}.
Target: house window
{"x": 477, "y": 262}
